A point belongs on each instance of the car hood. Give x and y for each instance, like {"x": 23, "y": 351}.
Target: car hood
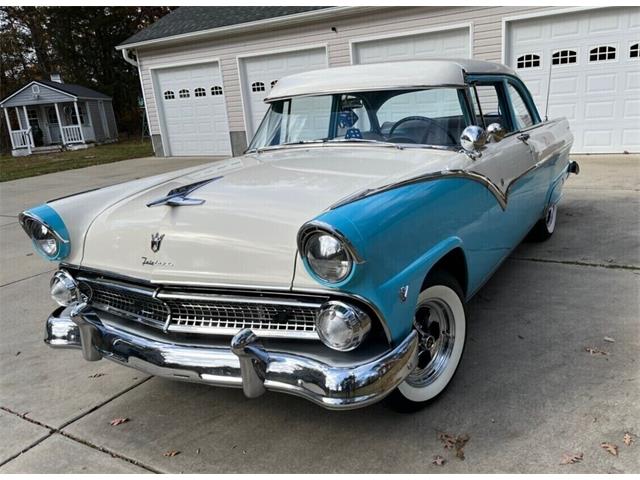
{"x": 244, "y": 234}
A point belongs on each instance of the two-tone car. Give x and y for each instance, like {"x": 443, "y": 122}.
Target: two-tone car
{"x": 334, "y": 259}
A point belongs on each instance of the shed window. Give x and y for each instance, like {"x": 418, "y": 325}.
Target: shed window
{"x": 273, "y": 83}
{"x": 200, "y": 92}
{"x": 634, "y": 51}
{"x": 216, "y": 90}
{"x": 32, "y": 116}
{"x": 529, "y": 60}
{"x": 169, "y": 95}
{"x": 563, "y": 57}
{"x": 184, "y": 93}
{"x": 257, "y": 87}
{"x": 51, "y": 115}
{"x": 602, "y": 53}
{"x": 70, "y": 114}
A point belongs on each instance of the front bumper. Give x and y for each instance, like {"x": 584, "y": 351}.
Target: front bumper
{"x": 245, "y": 363}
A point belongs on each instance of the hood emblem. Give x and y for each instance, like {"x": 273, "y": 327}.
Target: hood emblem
{"x": 156, "y": 240}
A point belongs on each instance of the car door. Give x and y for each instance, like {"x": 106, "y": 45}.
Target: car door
{"x": 510, "y": 164}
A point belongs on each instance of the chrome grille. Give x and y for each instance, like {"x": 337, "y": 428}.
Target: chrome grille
{"x": 213, "y": 314}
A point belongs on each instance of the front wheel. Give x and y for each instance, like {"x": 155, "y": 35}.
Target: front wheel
{"x": 440, "y": 321}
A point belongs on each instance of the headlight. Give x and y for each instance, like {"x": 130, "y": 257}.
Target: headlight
{"x": 47, "y": 232}
{"x": 341, "y": 326}
{"x": 64, "y": 289}
{"x": 328, "y": 257}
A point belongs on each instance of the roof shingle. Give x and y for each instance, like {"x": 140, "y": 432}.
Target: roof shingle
{"x": 193, "y": 19}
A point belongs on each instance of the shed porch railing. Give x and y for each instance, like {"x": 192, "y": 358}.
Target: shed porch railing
{"x": 72, "y": 134}
{"x": 22, "y": 139}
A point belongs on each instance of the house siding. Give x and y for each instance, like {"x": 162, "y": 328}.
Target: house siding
{"x": 486, "y": 34}
{"x": 47, "y": 95}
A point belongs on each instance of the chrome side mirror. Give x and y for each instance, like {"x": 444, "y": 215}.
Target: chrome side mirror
{"x": 495, "y": 132}
{"x": 473, "y": 138}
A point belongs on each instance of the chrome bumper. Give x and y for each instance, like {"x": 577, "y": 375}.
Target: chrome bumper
{"x": 244, "y": 364}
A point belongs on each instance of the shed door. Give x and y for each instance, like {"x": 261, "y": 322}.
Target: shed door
{"x": 260, "y": 73}
{"x": 595, "y": 77}
{"x": 193, "y": 111}
{"x": 443, "y": 44}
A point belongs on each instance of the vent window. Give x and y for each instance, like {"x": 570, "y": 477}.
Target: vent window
{"x": 169, "y": 95}
{"x": 257, "y": 87}
{"x": 529, "y": 60}
{"x": 184, "y": 93}
{"x": 216, "y": 90}
{"x": 602, "y": 53}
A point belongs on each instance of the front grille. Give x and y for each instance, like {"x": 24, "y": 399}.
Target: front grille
{"x": 226, "y": 314}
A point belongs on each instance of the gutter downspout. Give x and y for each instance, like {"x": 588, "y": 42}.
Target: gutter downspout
{"x": 135, "y": 63}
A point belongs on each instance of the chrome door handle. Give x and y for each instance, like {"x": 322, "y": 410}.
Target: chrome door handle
{"x": 524, "y": 137}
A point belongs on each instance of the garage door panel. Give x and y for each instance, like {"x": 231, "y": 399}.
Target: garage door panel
{"x": 193, "y": 125}
{"x": 592, "y": 93}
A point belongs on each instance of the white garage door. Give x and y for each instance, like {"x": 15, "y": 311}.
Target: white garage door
{"x": 193, "y": 111}
{"x": 443, "y": 44}
{"x": 595, "y": 77}
{"x": 260, "y": 74}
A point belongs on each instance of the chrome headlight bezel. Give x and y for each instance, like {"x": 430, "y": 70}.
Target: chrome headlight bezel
{"x": 45, "y": 228}
{"x": 64, "y": 289}
{"x": 335, "y": 245}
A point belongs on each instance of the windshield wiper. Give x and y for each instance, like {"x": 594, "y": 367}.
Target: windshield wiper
{"x": 366, "y": 140}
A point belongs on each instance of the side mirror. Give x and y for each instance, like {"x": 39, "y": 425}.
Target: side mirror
{"x": 473, "y": 138}
{"x": 495, "y": 132}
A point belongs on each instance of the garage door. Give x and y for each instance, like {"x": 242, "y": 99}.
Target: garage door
{"x": 193, "y": 111}
{"x": 595, "y": 73}
{"x": 444, "y": 44}
{"x": 260, "y": 74}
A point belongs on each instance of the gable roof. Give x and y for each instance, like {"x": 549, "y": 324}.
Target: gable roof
{"x": 71, "y": 89}
{"x": 185, "y": 20}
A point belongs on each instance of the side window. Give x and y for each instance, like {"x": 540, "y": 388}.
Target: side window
{"x": 523, "y": 117}
{"x": 487, "y": 106}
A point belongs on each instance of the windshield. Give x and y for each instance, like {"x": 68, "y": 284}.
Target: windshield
{"x": 432, "y": 117}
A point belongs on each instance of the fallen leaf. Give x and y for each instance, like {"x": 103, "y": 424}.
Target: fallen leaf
{"x": 628, "y": 438}
{"x": 454, "y": 442}
{"x": 448, "y": 440}
{"x": 609, "y": 339}
{"x": 595, "y": 351}
{"x": 96, "y": 375}
{"x": 171, "y": 453}
{"x": 197, "y": 451}
{"x": 438, "y": 460}
{"x": 610, "y": 447}
{"x": 570, "y": 458}
{"x": 118, "y": 421}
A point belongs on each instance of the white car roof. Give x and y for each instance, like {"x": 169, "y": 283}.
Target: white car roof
{"x": 383, "y": 76}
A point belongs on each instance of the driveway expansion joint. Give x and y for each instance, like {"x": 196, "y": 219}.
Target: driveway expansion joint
{"x": 578, "y": 263}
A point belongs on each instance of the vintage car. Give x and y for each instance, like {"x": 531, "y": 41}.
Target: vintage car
{"x": 333, "y": 260}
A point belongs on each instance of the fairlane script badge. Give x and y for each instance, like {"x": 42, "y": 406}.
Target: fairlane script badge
{"x": 156, "y": 241}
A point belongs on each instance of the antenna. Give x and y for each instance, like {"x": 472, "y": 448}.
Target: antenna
{"x": 546, "y": 107}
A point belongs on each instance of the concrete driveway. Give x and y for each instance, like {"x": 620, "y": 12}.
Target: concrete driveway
{"x": 527, "y": 391}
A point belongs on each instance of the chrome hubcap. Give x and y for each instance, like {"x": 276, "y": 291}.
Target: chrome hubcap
{"x": 550, "y": 219}
{"x": 436, "y": 331}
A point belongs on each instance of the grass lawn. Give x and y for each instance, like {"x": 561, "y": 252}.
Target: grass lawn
{"x": 30, "y": 166}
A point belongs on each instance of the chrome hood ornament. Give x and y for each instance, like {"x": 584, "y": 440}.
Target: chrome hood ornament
{"x": 179, "y": 197}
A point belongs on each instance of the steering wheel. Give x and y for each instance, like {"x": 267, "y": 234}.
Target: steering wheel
{"x": 421, "y": 119}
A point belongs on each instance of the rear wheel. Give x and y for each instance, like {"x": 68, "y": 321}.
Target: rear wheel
{"x": 546, "y": 225}
{"x": 440, "y": 321}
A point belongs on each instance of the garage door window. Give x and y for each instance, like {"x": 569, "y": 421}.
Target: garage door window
{"x": 200, "y": 92}
{"x": 257, "y": 87}
{"x": 169, "y": 95}
{"x": 184, "y": 93}
{"x": 634, "y": 50}
{"x": 602, "y": 53}
{"x": 529, "y": 60}
{"x": 564, "y": 57}
{"x": 216, "y": 90}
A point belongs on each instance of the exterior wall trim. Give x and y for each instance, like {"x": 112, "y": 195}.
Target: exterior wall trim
{"x": 240, "y": 58}
{"x": 443, "y": 28}
{"x": 164, "y": 138}
{"x": 525, "y": 16}
{"x": 35, "y": 82}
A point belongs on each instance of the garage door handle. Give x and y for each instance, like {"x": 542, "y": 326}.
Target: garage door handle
{"x": 524, "y": 137}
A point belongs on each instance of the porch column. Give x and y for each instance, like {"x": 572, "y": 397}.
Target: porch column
{"x": 6, "y": 116}
{"x": 32, "y": 144}
{"x": 19, "y": 119}
{"x": 75, "y": 106}
{"x": 55, "y": 105}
